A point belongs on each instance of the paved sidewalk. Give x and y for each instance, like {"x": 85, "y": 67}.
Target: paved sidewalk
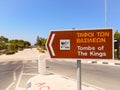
{"x": 53, "y": 81}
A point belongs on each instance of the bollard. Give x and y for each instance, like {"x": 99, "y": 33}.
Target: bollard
{"x": 42, "y": 63}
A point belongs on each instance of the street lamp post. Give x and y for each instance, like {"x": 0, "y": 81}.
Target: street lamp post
{"x": 106, "y": 19}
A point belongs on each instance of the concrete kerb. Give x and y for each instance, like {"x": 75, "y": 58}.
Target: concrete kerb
{"x": 104, "y": 62}
{"x": 100, "y": 62}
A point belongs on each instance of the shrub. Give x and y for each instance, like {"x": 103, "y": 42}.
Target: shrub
{"x": 10, "y": 52}
{"x": 20, "y": 49}
{"x": 41, "y": 50}
{"x": 3, "y": 51}
{"x": 0, "y": 53}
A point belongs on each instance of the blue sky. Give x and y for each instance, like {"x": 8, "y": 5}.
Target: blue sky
{"x": 27, "y": 19}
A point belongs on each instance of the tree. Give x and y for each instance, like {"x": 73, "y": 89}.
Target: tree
{"x": 3, "y": 46}
{"x": 40, "y": 42}
{"x": 17, "y": 44}
{"x": 13, "y": 41}
{"x": 43, "y": 40}
{"x": 27, "y": 44}
{"x": 3, "y": 39}
{"x": 12, "y": 46}
{"x": 20, "y": 43}
{"x": 117, "y": 35}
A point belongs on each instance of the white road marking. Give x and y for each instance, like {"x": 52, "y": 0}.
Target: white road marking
{"x": 15, "y": 62}
{"x": 10, "y": 86}
{"x": 20, "y": 77}
{"x": 5, "y": 63}
{"x": 29, "y": 74}
{"x": 25, "y": 61}
{"x": 31, "y": 67}
{"x": 33, "y": 61}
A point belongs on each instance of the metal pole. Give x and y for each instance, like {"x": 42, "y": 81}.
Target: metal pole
{"x": 78, "y": 74}
{"x": 106, "y": 21}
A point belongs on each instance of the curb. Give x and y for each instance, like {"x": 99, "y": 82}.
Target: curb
{"x": 105, "y": 63}
{"x": 112, "y": 63}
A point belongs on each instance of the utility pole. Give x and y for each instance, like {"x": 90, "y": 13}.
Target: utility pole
{"x": 106, "y": 16}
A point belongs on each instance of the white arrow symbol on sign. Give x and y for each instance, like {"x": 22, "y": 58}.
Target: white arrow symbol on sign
{"x": 50, "y": 45}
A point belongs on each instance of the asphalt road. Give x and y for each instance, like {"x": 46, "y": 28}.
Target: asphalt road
{"x": 17, "y": 69}
{"x": 15, "y": 74}
{"x": 103, "y": 76}
{"x": 7, "y": 71}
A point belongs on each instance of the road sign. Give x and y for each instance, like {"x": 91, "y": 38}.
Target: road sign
{"x": 81, "y": 44}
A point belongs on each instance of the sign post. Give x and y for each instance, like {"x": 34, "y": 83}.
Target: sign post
{"x": 81, "y": 44}
{"x": 79, "y": 75}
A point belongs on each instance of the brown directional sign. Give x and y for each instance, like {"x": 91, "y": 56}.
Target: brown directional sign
{"x": 81, "y": 44}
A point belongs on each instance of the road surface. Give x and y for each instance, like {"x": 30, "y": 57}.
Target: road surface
{"x": 103, "y": 76}
{"x": 14, "y": 73}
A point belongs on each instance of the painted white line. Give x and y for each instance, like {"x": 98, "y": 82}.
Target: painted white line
{"x": 10, "y": 86}
{"x": 50, "y": 45}
{"x": 20, "y": 77}
{"x": 18, "y": 67}
{"x": 25, "y": 61}
{"x": 29, "y": 74}
{"x": 5, "y": 63}
{"x": 34, "y": 61}
{"x": 31, "y": 67}
{"x": 14, "y": 76}
{"x": 13, "y": 62}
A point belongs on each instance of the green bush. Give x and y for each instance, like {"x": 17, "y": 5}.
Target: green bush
{"x": 41, "y": 50}
{"x": 10, "y": 52}
{"x": 20, "y": 49}
{"x": 3, "y": 51}
{"x": 0, "y": 53}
